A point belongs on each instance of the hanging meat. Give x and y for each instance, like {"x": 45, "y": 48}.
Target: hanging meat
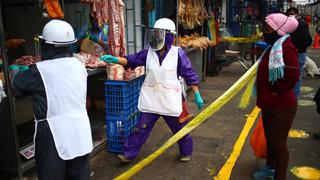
{"x": 111, "y": 12}
{"x": 191, "y": 13}
{"x": 98, "y": 9}
{"x": 116, "y": 40}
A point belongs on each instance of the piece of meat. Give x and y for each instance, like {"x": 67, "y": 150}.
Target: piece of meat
{"x": 94, "y": 62}
{"x": 115, "y": 72}
{"x": 26, "y": 60}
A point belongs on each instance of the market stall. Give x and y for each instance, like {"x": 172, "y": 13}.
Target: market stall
{"x": 199, "y": 32}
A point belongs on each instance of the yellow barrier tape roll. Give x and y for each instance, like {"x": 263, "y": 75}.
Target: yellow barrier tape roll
{"x": 245, "y": 99}
{"x": 225, "y": 172}
{"x": 207, "y": 112}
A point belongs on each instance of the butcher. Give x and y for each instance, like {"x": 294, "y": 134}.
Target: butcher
{"x": 57, "y": 86}
{"x": 161, "y": 92}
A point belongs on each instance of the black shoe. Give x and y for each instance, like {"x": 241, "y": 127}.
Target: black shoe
{"x": 316, "y": 136}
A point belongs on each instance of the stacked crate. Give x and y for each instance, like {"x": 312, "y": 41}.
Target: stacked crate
{"x": 121, "y": 110}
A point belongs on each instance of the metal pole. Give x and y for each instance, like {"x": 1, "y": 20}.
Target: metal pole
{"x": 8, "y": 91}
{"x": 177, "y": 22}
{"x": 127, "y": 33}
{"x": 134, "y": 25}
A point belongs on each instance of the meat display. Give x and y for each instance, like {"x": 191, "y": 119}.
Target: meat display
{"x": 26, "y": 60}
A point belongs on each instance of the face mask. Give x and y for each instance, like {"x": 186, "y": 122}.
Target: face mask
{"x": 271, "y": 38}
{"x": 169, "y": 39}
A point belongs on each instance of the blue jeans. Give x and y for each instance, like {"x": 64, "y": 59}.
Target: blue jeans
{"x": 302, "y": 60}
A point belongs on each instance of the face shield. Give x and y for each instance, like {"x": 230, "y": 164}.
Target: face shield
{"x": 155, "y": 38}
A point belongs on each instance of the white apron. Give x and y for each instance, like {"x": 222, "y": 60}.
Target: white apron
{"x": 161, "y": 90}
{"x": 65, "y": 81}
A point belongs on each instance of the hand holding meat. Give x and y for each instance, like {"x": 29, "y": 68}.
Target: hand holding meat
{"x": 109, "y": 59}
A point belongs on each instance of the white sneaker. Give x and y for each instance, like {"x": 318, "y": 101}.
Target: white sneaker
{"x": 184, "y": 158}
{"x": 124, "y": 158}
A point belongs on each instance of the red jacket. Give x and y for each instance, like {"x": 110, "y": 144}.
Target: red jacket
{"x": 280, "y": 94}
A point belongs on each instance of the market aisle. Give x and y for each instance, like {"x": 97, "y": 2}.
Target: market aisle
{"x": 303, "y": 151}
{"x": 215, "y": 138}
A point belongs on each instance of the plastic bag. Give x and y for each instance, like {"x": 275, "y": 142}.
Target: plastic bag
{"x": 185, "y": 115}
{"x": 258, "y": 141}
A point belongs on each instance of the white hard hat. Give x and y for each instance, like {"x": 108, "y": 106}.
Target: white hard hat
{"x": 58, "y": 32}
{"x": 167, "y": 24}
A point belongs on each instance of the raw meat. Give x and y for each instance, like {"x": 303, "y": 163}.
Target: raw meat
{"x": 116, "y": 40}
{"x": 90, "y": 60}
{"x": 26, "y": 60}
{"x": 115, "y": 72}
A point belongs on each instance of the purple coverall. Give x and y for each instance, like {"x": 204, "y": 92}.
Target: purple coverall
{"x": 146, "y": 121}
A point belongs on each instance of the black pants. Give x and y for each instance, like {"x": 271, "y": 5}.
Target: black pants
{"x": 50, "y": 166}
{"x": 277, "y": 123}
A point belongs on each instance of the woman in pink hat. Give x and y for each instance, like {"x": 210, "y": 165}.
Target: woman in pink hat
{"x": 277, "y": 74}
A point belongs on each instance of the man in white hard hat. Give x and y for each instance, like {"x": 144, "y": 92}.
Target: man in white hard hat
{"x": 58, "y": 86}
{"x": 161, "y": 92}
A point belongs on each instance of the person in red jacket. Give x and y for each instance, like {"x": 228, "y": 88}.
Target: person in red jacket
{"x": 277, "y": 75}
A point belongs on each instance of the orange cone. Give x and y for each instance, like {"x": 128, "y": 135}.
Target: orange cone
{"x": 316, "y": 41}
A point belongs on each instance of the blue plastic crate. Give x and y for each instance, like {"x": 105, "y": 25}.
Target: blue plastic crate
{"x": 122, "y": 97}
{"x": 118, "y": 129}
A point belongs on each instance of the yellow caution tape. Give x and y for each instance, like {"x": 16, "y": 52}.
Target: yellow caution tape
{"x": 225, "y": 172}
{"x": 307, "y": 173}
{"x": 207, "y": 112}
{"x": 249, "y": 39}
{"x": 295, "y": 133}
{"x": 245, "y": 99}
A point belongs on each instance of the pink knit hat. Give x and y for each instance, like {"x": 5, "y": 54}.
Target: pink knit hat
{"x": 282, "y": 23}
